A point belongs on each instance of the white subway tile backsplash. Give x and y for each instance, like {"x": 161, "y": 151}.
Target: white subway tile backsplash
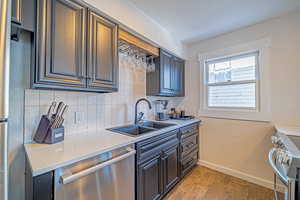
{"x": 46, "y": 97}
{"x": 32, "y": 98}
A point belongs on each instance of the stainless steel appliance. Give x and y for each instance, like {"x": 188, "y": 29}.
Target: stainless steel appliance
{"x": 109, "y": 176}
{"x": 284, "y": 159}
{"x": 4, "y": 87}
{"x": 161, "y": 110}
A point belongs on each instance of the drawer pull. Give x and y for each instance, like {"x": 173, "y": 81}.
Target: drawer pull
{"x": 191, "y": 144}
{"x": 189, "y": 162}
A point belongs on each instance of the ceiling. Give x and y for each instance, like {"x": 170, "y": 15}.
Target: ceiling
{"x": 193, "y": 20}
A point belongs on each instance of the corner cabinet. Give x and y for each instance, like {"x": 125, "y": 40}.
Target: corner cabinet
{"x": 168, "y": 77}
{"x": 75, "y": 48}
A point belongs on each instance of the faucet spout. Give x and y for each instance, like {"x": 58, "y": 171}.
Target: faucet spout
{"x": 136, "y": 120}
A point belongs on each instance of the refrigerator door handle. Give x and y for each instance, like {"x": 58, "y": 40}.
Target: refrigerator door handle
{"x": 5, "y": 13}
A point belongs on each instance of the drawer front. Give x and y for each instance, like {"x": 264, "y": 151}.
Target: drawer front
{"x": 188, "y": 163}
{"x": 189, "y": 144}
{"x": 189, "y": 130}
{"x": 153, "y": 146}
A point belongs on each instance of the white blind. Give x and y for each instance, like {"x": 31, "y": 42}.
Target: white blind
{"x": 231, "y": 82}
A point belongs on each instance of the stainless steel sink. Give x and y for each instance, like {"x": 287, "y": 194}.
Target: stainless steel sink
{"x": 141, "y": 128}
{"x": 156, "y": 125}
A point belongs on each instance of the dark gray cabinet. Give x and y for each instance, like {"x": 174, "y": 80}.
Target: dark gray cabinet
{"x": 158, "y": 168}
{"x": 23, "y": 14}
{"x": 76, "y": 49}
{"x": 167, "y": 72}
{"x": 61, "y": 44}
{"x": 171, "y": 170}
{"x": 38, "y": 187}
{"x": 102, "y": 53}
{"x": 168, "y": 77}
{"x": 149, "y": 183}
{"x": 189, "y": 148}
{"x": 178, "y": 77}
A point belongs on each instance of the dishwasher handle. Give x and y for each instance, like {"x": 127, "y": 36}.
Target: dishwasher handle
{"x": 65, "y": 179}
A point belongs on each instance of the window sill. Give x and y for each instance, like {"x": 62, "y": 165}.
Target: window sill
{"x": 236, "y": 115}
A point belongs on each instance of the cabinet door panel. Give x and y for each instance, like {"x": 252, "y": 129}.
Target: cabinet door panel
{"x": 16, "y": 11}
{"x": 166, "y": 72}
{"x": 149, "y": 180}
{"x": 102, "y": 53}
{"x": 61, "y": 43}
{"x": 178, "y": 77}
{"x": 171, "y": 168}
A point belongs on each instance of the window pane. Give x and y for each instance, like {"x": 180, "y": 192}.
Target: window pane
{"x": 234, "y": 96}
{"x": 243, "y": 69}
{"x": 219, "y": 72}
{"x": 232, "y": 69}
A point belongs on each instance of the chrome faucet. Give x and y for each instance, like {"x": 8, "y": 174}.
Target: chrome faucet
{"x": 136, "y": 118}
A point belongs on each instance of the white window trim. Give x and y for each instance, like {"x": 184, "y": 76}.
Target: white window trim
{"x": 262, "y": 111}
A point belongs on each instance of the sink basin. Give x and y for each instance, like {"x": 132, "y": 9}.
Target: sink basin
{"x": 156, "y": 125}
{"x": 141, "y": 128}
{"x": 132, "y": 130}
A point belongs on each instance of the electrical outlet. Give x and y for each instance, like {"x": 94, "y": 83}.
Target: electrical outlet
{"x": 78, "y": 117}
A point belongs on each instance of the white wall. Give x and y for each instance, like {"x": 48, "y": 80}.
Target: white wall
{"x": 126, "y": 13}
{"x": 240, "y": 147}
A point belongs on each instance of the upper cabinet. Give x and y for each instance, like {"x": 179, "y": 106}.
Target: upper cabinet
{"x": 23, "y": 13}
{"x": 168, "y": 77}
{"x": 76, "y": 49}
{"x": 102, "y": 53}
{"x": 61, "y": 44}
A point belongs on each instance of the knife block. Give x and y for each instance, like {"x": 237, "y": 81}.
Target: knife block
{"x": 55, "y": 135}
{"x": 47, "y": 135}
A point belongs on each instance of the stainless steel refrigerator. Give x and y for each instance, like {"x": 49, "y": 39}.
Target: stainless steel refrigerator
{"x": 4, "y": 95}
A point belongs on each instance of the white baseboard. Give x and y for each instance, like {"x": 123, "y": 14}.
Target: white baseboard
{"x": 241, "y": 175}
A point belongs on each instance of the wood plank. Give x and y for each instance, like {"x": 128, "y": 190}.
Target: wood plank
{"x": 133, "y": 40}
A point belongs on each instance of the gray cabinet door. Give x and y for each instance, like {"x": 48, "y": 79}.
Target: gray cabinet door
{"x": 149, "y": 180}
{"x": 23, "y": 14}
{"x": 16, "y": 11}
{"x": 102, "y": 54}
{"x": 61, "y": 44}
{"x": 166, "y": 63}
{"x": 171, "y": 170}
{"x": 178, "y": 77}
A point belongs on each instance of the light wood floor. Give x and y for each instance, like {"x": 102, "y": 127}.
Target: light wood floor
{"x": 206, "y": 184}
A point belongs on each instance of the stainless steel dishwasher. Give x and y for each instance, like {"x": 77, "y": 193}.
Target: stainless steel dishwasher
{"x": 109, "y": 176}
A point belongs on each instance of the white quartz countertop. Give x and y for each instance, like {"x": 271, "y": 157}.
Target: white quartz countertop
{"x": 44, "y": 158}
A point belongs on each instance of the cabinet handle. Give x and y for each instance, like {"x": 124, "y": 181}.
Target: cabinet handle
{"x": 190, "y": 145}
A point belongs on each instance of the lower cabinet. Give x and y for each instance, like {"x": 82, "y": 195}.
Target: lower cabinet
{"x": 158, "y": 174}
{"x": 171, "y": 172}
{"x": 149, "y": 183}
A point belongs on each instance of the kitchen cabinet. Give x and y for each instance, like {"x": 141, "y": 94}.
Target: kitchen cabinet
{"x": 76, "y": 49}
{"x": 168, "y": 77}
{"x": 102, "y": 53}
{"x": 189, "y": 148}
{"x": 61, "y": 40}
{"x": 149, "y": 183}
{"x": 157, "y": 166}
{"x": 23, "y": 14}
{"x": 171, "y": 170}
{"x": 39, "y": 187}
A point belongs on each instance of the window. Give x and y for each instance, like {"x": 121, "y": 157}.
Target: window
{"x": 235, "y": 81}
{"x": 232, "y": 82}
